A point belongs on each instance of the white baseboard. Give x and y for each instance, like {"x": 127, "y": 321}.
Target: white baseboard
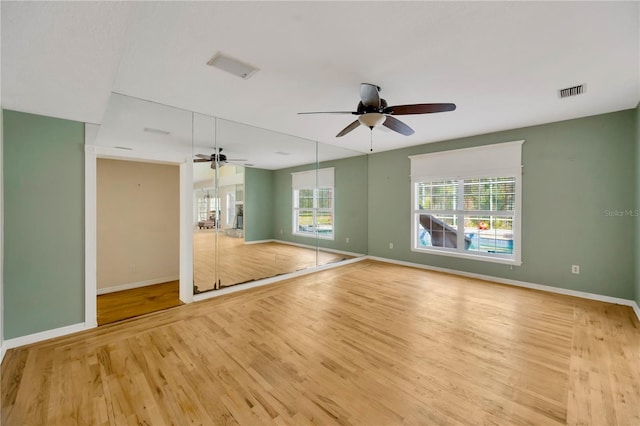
{"x": 330, "y": 250}
{"x": 547, "y": 288}
{"x": 308, "y": 246}
{"x": 3, "y": 350}
{"x": 259, "y": 241}
{"x": 137, "y": 284}
{"x": 636, "y": 308}
{"x": 43, "y": 335}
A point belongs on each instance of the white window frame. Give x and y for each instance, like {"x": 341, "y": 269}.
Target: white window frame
{"x": 489, "y": 161}
{"x": 231, "y": 207}
{"x": 313, "y": 180}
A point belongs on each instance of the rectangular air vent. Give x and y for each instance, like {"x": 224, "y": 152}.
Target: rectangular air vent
{"x": 232, "y": 66}
{"x": 572, "y": 91}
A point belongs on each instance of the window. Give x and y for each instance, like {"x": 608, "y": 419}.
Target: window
{"x": 466, "y": 203}
{"x": 207, "y": 205}
{"x": 313, "y": 204}
{"x": 231, "y": 208}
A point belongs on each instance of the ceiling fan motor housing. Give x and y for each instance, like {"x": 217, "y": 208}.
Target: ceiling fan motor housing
{"x": 367, "y": 109}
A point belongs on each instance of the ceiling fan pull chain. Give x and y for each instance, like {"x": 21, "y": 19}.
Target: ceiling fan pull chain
{"x": 371, "y": 140}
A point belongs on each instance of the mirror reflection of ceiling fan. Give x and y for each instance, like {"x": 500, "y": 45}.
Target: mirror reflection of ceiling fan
{"x": 217, "y": 159}
{"x": 374, "y": 111}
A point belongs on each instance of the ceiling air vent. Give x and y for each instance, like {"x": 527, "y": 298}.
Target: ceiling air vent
{"x": 231, "y": 65}
{"x": 156, "y": 131}
{"x": 572, "y": 91}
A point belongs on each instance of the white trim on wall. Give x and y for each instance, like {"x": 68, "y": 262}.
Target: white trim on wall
{"x": 541, "y": 287}
{"x": 2, "y": 348}
{"x": 90, "y": 233}
{"x": 139, "y": 284}
{"x": 186, "y": 230}
{"x": 259, "y": 241}
{"x": 44, "y": 335}
{"x": 92, "y": 153}
{"x": 349, "y": 253}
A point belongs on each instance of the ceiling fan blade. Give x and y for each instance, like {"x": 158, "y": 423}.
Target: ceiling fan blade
{"x": 370, "y": 95}
{"x": 418, "y": 109}
{"x": 237, "y": 159}
{"x": 206, "y": 157}
{"x": 201, "y": 160}
{"x": 397, "y": 126}
{"x": 330, "y": 112}
{"x": 349, "y": 128}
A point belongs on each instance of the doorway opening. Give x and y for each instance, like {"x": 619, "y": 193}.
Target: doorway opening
{"x": 121, "y": 305}
{"x": 138, "y": 238}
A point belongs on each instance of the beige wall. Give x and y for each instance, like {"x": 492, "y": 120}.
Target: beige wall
{"x": 138, "y": 223}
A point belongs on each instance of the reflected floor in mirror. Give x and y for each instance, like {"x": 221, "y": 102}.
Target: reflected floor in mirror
{"x": 240, "y": 263}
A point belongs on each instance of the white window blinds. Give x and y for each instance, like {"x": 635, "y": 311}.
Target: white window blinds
{"x": 501, "y": 159}
{"x": 307, "y": 179}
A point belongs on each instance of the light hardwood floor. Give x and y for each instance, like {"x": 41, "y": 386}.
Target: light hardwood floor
{"x": 366, "y": 343}
{"x": 125, "y": 304}
{"x": 239, "y": 262}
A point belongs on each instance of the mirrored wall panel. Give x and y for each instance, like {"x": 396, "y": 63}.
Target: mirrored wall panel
{"x": 263, "y": 203}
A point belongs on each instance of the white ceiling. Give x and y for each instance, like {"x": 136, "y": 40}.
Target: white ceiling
{"x": 127, "y": 120}
{"x": 500, "y": 62}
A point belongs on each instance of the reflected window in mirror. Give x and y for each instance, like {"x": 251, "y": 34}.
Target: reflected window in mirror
{"x": 313, "y": 203}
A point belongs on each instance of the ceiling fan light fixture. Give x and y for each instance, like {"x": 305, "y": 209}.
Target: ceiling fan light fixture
{"x": 371, "y": 119}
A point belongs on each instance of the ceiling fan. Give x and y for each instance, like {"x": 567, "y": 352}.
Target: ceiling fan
{"x": 216, "y": 159}
{"x": 373, "y": 111}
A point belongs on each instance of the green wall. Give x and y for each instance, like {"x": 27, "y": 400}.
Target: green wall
{"x": 637, "y": 252}
{"x": 44, "y": 223}
{"x": 258, "y": 211}
{"x": 350, "y": 205}
{"x": 574, "y": 172}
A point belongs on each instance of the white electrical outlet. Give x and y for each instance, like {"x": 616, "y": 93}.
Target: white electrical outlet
{"x": 347, "y": 240}
{"x": 390, "y": 245}
{"x": 281, "y": 232}
{"x": 575, "y": 269}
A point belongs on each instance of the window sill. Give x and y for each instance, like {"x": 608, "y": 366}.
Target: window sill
{"x": 478, "y": 257}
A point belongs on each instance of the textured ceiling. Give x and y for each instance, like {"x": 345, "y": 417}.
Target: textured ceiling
{"x": 500, "y": 62}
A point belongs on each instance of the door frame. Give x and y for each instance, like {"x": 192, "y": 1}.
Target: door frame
{"x": 92, "y": 153}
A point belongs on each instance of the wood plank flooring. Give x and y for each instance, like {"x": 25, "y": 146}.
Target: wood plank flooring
{"x": 125, "y": 304}
{"x": 239, "y": 262}
{"x": 367, "y": 343}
